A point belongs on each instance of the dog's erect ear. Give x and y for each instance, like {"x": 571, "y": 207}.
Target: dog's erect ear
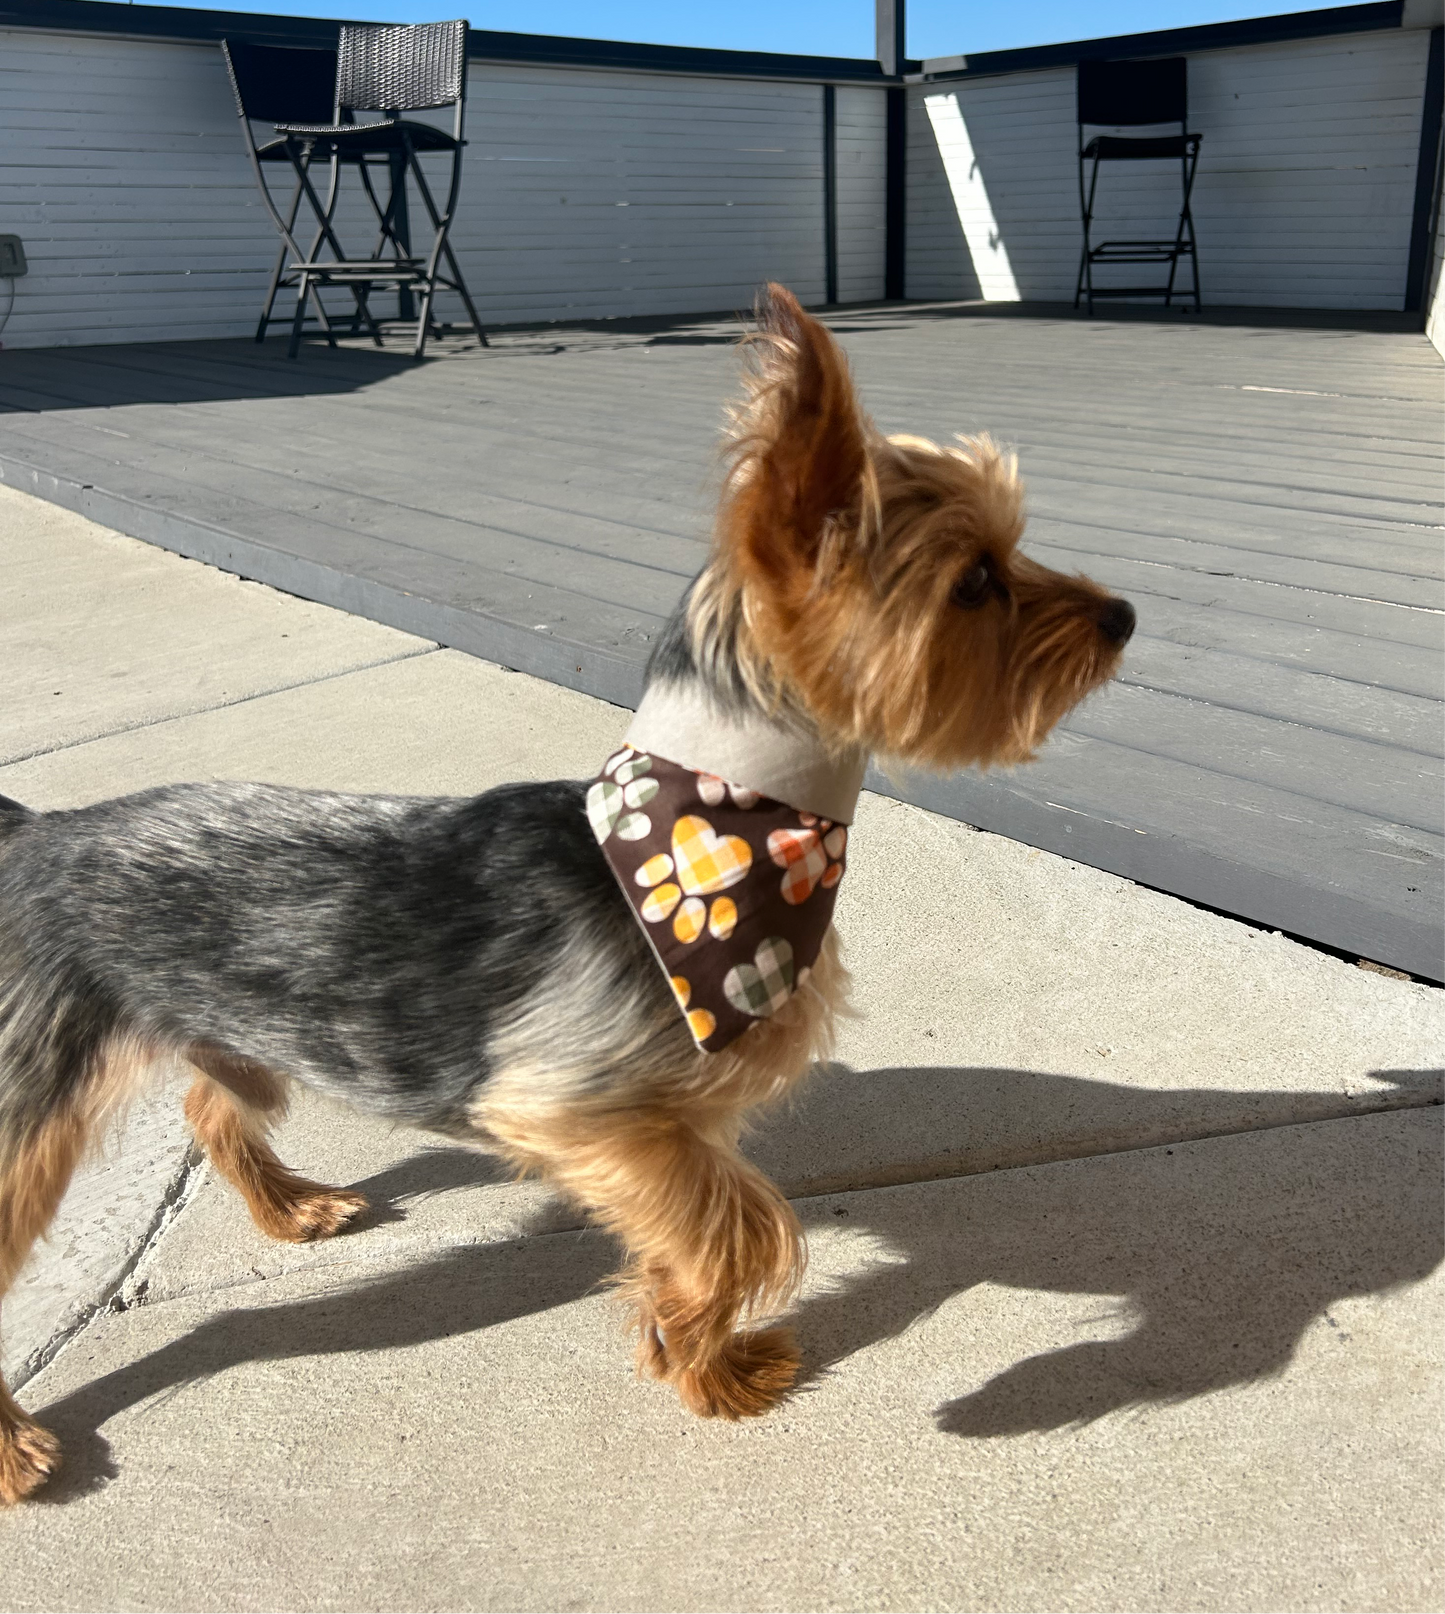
{"x": 799, "y": 455}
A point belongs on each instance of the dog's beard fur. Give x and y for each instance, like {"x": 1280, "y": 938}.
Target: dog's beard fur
{"x": 376, "y": 948}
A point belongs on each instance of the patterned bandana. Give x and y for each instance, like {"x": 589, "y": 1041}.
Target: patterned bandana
{"x": 733, "y": 889}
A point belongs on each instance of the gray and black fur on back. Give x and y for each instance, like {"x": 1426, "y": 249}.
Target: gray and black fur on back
{"x": 369, "y": 946}
{"x": 390, "y": 951}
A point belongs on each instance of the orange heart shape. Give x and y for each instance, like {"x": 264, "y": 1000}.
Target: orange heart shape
{"x": 706, "y": 861}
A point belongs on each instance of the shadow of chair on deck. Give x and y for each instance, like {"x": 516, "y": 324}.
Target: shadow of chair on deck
{"x": 41, "y": 381}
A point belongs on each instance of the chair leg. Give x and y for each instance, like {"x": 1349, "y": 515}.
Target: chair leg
{"x": 442, "y": 223}
{"x": 271, "y": 291}
{"x": 460, "y": 286}
{"x": 303, "y": 291}
{"x": 423, "y": 323}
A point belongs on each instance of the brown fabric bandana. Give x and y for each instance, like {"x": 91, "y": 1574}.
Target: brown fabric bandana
{"x": 734, "y": 890}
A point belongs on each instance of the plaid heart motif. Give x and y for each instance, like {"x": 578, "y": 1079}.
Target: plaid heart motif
{"x": 706, "y": 861}
{"x": 764, "y": 986}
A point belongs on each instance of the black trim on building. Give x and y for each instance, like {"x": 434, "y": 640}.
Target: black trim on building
{"x": 1427, "y": 173}
{"x": 537, "y": 50}
{"x": 895, "y": 206}
{"x": 1171, "y": 41}
{"x": 830, "y": 192}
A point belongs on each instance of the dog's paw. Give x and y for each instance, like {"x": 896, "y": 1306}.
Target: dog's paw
{"x": 29, "y": 1455}
{"x": 748, "y": 1377}
{"x": 313, "y": 1213}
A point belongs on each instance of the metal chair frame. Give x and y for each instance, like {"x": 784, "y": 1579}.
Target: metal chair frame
{"x": 1117, "y": 95}
{"x": 391, "y": 69}
{"x": 263, "y": 78}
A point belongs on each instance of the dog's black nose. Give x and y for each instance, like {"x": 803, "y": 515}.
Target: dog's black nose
{"x": 1117, "y": 622}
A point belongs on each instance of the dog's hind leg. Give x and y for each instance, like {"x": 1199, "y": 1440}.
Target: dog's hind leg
{"x": 232, "y": 1106}
{"x": 710, "y": 1242}
{"x": 77, "y": 1074}
{"x": 34, "y": 1172}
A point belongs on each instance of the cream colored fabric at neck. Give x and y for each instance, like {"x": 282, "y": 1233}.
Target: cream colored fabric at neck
{"x": 680, "y": 723}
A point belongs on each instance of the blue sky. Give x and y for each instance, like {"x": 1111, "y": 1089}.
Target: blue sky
{"x": 821, "y": 27}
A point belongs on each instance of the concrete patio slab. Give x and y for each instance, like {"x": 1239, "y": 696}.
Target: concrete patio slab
{"x": 1204, "y": 1376}
{"x": 105, "y": 633}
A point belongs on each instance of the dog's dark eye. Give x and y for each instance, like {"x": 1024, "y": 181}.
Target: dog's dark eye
{"x": 973, "y": 587}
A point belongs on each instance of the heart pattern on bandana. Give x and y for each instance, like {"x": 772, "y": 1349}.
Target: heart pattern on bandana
{"x": 764, "y": 986}
{"x": 733, "y": 889}
{"x": 706, "y": 861}
{"x": 690, "y": 919}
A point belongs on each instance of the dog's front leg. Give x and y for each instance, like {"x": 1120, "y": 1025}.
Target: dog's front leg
{"x": 710, "y": 1241}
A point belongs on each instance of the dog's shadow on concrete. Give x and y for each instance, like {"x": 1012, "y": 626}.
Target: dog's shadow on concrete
{"x": 1212, "y": 1257}
{"x": 1218, "y": 1257}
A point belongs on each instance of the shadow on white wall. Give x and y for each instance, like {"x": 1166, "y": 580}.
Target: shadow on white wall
{"x": 970, "y": 200}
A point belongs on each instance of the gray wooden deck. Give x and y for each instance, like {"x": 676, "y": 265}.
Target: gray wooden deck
{"x": 1266, "y": 491}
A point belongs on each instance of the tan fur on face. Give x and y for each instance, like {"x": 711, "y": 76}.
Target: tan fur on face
{"x": 839, "y": 551}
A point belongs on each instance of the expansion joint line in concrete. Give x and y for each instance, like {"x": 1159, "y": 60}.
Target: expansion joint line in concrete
{"x": 1419, "y": 1099}
{"x": 222, "y": 706}
{"x": 117, "y": 1295}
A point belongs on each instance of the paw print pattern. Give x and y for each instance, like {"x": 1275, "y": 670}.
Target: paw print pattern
{"x": 699, "y": 1021}
{"x": 615, "y": 800}
{"x": 733, "y": 889}
{"x": 809, "y": 856}
{"x": 715, "y": 791}
{"x": 703, "y": 862}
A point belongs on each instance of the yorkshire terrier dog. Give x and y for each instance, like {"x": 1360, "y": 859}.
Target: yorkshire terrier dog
{"x": 673, "y": 966}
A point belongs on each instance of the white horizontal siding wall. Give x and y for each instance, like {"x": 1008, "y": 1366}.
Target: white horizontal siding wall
{"x": 1304, "y": 195}
{"x": 587, "y": 194}
{"x": 861, "y": 132}
{"x": 584, "y": 193}
{"x": 122, "y": 170}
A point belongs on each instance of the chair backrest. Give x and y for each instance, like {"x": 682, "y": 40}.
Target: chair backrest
{"x": 400, "y": 67}
{"x": 276, "y": 84}
{"x": 1122, "y": 93}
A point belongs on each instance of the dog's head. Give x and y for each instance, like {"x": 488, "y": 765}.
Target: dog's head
{"x": 880, "y": 579}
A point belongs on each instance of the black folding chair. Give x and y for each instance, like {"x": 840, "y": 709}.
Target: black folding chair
{"x": 389, "y": 69}
{"x": 276, "y": 84}
{"x": 1124, "y": 95}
